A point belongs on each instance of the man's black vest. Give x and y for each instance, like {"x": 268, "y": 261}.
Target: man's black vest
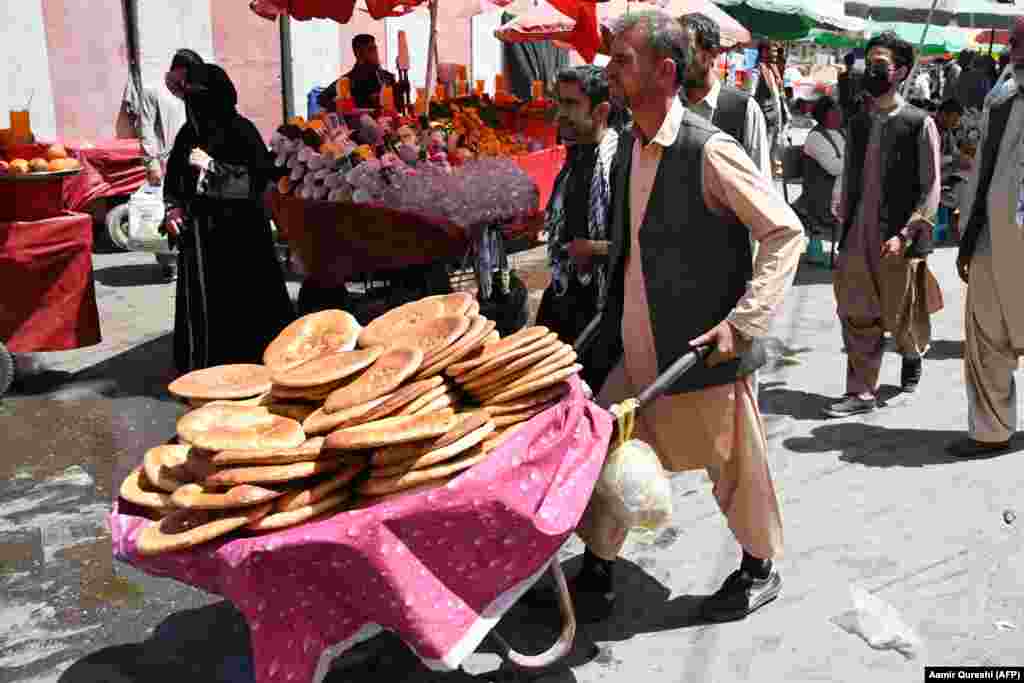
{"x": 901, "y": 177}
{"x": 696, "y": 264}
{"x": 976, "y": 222}
{"x": 731, "y": 113}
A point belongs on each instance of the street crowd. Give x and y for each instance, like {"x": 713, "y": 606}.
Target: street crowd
{"x": 666, "y": 222}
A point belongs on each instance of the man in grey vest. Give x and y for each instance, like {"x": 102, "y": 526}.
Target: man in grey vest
{"x": 990, "y": 258}
{"x": 890, "y": 198}
{"x": 686, "y": 200}
{"x": 729, "y": 109}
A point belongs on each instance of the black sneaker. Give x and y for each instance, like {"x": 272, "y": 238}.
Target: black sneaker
{"x": 910, "y": 374}
{"x": 741, "y": 595}
{"x": 851, "y": 405}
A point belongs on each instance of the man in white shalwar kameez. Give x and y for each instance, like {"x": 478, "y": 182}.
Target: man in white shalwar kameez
{"x": 990, "y": 261}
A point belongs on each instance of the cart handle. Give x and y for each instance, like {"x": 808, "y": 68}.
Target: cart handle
{"x": 666, "y": 379}
{"x": 588, "y": 334}
{"x": 562, "y": 646}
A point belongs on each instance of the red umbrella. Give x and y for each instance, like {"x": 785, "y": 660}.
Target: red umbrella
{"x": 339, "y": 10}
{"x": 552, "y": 22}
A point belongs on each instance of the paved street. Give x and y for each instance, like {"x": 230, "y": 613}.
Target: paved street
{"x": 873, "y": 502}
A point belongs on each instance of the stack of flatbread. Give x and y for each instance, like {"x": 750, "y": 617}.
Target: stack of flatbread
{"x": 339, "y": 414}
{"x": 518, "y": 377}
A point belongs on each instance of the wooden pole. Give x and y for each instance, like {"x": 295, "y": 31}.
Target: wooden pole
{"x": 432, "y": 54}
{"x": 920, "y": 48}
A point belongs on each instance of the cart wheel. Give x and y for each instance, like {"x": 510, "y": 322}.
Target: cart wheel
{"x": 6, "y": 369}
{"x": 562, "y": 646}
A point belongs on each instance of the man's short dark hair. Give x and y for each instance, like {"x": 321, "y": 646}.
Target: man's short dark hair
{"x": 185, "y": 58}
{"x": 850, "y": 59}
{"x": 902, "y": 52}
{"x": 705, "y": 30}
{"x": 823, "y": 106}
{"x": 593, "y": 81}
{"x": 951, "y": 106}
{"x": 361, "y": 41}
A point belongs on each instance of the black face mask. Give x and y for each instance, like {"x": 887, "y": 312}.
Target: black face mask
{"x": 876, "y": 80}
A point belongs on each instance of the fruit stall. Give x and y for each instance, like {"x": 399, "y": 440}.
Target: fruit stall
{"x": 45, "y": 257}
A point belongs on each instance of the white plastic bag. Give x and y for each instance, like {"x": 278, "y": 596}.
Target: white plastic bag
{"x": 145, "y": 216}
{"x": 878, "y": 623}
{"x": 633, "y": 478}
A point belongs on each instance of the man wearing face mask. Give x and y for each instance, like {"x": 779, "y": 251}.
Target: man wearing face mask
{"x": 577, "y": 214}
{"x": 990, "y": 258}
{"x": 890, "y": 197}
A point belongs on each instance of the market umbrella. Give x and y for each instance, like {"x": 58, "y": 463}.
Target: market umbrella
{"x": 990, "y": 38}
{"x": 789, "y": 19}
{"x": 965, "y": 13}
{"x": 547, "y": 23}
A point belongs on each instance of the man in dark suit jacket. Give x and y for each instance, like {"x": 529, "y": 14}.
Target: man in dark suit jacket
{"x": 686, "y": 201}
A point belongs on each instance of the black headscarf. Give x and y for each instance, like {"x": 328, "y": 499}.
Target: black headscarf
{"x": 211, "y": 98}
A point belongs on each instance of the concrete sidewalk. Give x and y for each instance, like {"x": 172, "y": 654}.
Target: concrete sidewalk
{"x": 870, "y": 501}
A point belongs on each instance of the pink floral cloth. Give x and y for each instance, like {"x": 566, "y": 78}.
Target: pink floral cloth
{"x": 438, "y": 568}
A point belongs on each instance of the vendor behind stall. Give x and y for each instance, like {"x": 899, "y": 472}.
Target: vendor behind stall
{"x": 367, "y": 78}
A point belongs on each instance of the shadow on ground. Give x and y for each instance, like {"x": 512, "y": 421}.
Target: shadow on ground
{"x": 874, "y": 446}
{"x": 211, "y": 644}
{"x": 946, "y": 349}
{"x": 131, "y": 275}
{"x": 812, "y": 274}
{"x": 776, "y": 399}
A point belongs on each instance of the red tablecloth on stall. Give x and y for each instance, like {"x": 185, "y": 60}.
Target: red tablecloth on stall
{"x": 109, "y": 168}
{"x": 47, "y": 294}
{"x": 439, "y": 567}
{"x": 543, "y": 167}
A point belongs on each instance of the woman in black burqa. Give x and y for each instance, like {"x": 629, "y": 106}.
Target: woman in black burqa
{"x": 231, "y": 296}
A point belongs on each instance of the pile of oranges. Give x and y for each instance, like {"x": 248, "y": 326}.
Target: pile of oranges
{"x": 481, "y": 138}
{"x": 56, "y": 160}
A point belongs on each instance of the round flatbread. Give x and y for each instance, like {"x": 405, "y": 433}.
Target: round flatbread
{"x": 228, "y": 427}
{"x": 222, "y": 382}
{"x": 195, "y": 497}
{"x": 258, "y": 400}
{"x": 403, "y": 397}
{"x": 562, "y": 358}
{"x": 433, "y": 336}
{"x": 309, "y": 496}
{"x": 474, "y": 308}
{"x": 272, "y": 474}
{"x": 437, "y": 456}
{"x": 492, "y": 351}
{"x": 312, "y": 336}
{"x": 383, "y": 377}
{"x": 521, "y": 366}
{"x": 556, "y": 392}
{"x": 467, "y": 344}
{"x": 309, "y": 451}
{"x": 398, "y": 321}
{"x": 328, "y": 368}
{"x": 165, "y": 467}
{"x": 464, "y": 424}
{"x": 426, "y": 399}
{"x": 320, "y": 422}
{"x": 309, "y": 394}
{"x": 492, "y": 338}
{"x": 136, "y": 489}
{"x": 510, "y": 419}
{"x": 391, "y": 430}
{"x": 530, "y": 387}
{"x": 296, "y": 411}
{"x": 378, "y": 487}
{"x": 370, "y": 501}
{"x": 456, "y": 303}
{"x": 283, "y": 520}
{"x": 448, "y": 401}
{"x": 187, "y": 528}
{"x": 548, "y": 343}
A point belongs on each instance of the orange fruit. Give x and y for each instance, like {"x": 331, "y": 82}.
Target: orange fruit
{"x": 38, "y": 166}
{"x": 19, "y": 167}
{"x": 56, "y": 152}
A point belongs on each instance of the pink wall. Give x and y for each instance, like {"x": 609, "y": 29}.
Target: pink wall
{"x": 249, "y": 49}
{"x": 88, "y": 65}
